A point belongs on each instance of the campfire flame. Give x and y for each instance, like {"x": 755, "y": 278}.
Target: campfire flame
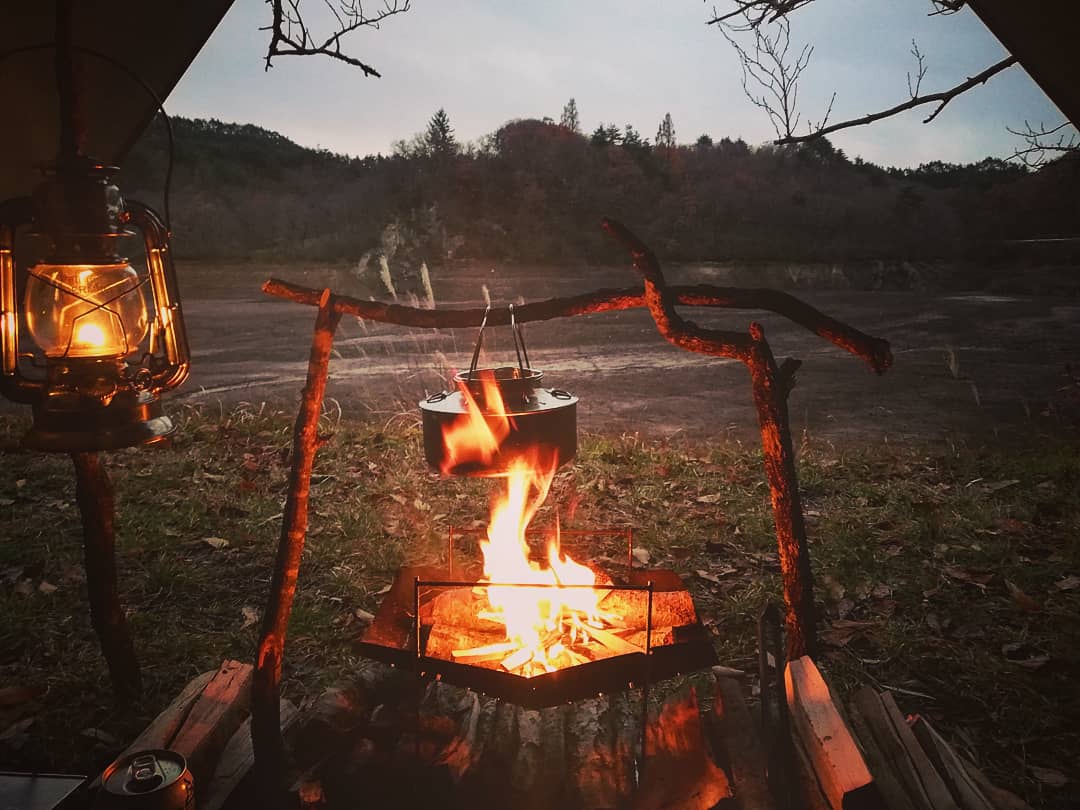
{"x": 475, "y": 436}
{"x": 544, "y": 622}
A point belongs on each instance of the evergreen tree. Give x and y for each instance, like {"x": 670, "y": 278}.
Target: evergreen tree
{"x": 569, "y": 119}
{"x": 439, "y": 138}
{"x": 665, "y": 133}
{"x": 606, "y": 136}
{"x": 704, "y": 141}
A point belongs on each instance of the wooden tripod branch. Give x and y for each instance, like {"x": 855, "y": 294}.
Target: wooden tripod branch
{"x": 94, "y": 494}
{"x": 873, "y": 350}
{"x": 771, "y": 386}
{"x": 265, "y": 690}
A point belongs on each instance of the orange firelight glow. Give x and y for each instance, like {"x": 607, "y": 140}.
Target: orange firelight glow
{"x": 541, "y": 622}
{"x": 475, "y": 436}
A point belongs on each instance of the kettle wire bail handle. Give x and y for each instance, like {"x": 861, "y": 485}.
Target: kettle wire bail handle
{"x": 519, "y": 341}
{"x": 479, "y": 343}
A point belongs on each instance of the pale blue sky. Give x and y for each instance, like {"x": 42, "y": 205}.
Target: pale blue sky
{"x": 487, "y": 62}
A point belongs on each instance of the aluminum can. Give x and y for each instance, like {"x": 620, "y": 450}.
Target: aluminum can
{"x": 147, "y": 780}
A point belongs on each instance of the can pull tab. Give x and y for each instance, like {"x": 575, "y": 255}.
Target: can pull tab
{"x": 145, "y": 774}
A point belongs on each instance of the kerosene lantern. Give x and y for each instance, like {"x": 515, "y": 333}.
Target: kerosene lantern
{"x": 86, "y": 339}
{"x": 497, "y": 415}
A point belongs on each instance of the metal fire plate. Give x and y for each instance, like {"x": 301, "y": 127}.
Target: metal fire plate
{"x": 391, "y": 638}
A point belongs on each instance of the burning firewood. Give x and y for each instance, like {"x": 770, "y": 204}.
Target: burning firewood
{"x": 669, "y": 609}
{"x": 489, "y": 652}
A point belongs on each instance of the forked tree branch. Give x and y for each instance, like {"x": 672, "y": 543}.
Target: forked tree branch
{"x": 873, "y": 350}
{"x": 941, "y": 99}
{"x": 769, "y": 67}
{"x": 291, "y": 35}
{"x": 1042, "y": 143}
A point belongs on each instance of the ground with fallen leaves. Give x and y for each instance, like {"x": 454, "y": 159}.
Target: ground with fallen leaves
{"x": 950, "y": 575}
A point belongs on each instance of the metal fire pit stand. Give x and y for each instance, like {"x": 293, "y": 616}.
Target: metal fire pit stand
{"x": 419, "y": 583}
{"x": 771, "y": 384}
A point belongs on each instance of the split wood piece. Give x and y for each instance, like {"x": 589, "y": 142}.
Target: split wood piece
{"x": 806, "y": 785}
{"x": 458, "y": 607}
{"x": 162, "y": 729}
{"x": 236, "y": 761}
{"x": 489, "y": 652}
{"x": 678, "y": 771}
{"x": 669, "y": 609}
{"x": 739, "y": 743}
{"x": 902, "y": 752}
{"x": 213, "y": 720}
{"x": 266, "y": 723}
{"x": 963, "y": 788}
{"x": 94, "y": 495}
{"x": 885, "y": 776}
{"x": 443, "y": 640}
{"x": 839, "y": 765}
{"x": 612, "y": 641}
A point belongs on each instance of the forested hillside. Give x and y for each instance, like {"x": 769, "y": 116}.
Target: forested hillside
{"x": 535, "y": 191}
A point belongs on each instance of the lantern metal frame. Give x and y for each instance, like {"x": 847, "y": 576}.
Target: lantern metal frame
{"x": 89, "y": 403}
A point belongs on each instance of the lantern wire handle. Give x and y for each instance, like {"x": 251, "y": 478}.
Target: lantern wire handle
{"x": 479, "y": 343}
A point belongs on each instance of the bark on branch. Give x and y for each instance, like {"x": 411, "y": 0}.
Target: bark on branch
{"x": 771, "y": 386}
{"x": 873, "y": 350}
{"x": 94, "y": 495}
{"x": 941, "y": 99}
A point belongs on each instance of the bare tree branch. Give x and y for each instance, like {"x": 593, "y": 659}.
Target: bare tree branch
{"x": 291, "y": 35}
{"x": 1042, "y": 143}
{"x": 920, "y": 70}
{"x": 769, "y": 67}
{"x": 941, "y": 99}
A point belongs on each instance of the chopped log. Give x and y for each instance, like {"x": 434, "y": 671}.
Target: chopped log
{"x": 489, "y": 652}
{"x": 612, "y": 641}
{"x": 236, "y": 761}
{"x": 459, "y": 607}
{"x": 678, "y": 771}
{"x": 661, "y": 636}
{"x": 445, "y": 639}
{"x": 213, "y": 719}
{"x": 839, "y": 765}
{"x": 670, "y": 608}
{"x": 807, "y": 787}
{"x": 948, "y": 765}
{"x": 738, "y": 741}
{"x": 902, "y": 751}
{"x": 592, "y": 754}
{"x": 162, "y": 730}
{"x": 886, "y": 778}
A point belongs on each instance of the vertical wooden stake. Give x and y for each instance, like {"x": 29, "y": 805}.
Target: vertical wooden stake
{"x": 94, "y": 494}
{"x": 771, "y": 388}
{"x": 270, "y": 765}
